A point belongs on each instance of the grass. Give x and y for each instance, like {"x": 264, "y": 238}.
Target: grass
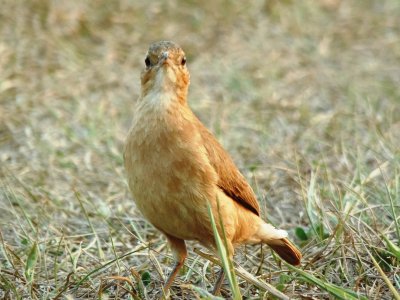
{"x": 303, "y": 94}
{"x": 222, "y": 249}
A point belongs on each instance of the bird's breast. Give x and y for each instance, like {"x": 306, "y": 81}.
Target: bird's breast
{"x": 168, "y": 169}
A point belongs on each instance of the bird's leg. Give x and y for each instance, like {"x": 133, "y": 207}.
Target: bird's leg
{"x": 218, "y": 283}
{"x": 178, "y": 247}
{"x": 178, "y": 265}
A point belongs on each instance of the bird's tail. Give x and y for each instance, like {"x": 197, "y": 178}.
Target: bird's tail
{"x": 278, "y": 241}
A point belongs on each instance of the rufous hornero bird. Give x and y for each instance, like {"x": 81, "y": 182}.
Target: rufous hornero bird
{"x": 176, "y": 168}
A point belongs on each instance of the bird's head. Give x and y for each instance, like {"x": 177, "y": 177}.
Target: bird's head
{"x": 165, "y": 70}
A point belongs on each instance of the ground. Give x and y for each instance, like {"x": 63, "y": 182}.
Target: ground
{"x": 303, "y": 94}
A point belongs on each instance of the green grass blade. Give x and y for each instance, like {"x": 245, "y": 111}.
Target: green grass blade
{"x": 392, "y": 248}
{"x": 31, "y": 262}
{"x": 395, "y": 293}
{"x": 392, "y": 207}
{"x": 334, "y": 290}
{"x": 226, "y": 264}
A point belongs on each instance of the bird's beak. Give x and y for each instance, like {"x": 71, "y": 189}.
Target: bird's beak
{"x": 163, "y": 58}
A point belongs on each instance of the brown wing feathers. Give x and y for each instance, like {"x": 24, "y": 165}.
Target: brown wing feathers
{"x": 231, "y": 181}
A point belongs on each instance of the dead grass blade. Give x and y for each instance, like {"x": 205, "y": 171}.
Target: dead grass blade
{"x": 102, "y": 267}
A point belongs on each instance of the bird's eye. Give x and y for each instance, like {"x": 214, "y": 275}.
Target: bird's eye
{"x": 183, "y": 61}
{"x": 147, "y": 62}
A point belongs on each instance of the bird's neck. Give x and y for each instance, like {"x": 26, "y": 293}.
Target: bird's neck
{"x": 160, "y": 111}
{"x": 164, "y": 98}
{"x": 165, "y": 88}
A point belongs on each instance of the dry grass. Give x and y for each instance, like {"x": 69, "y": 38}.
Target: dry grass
{"x": 304, "y": 94}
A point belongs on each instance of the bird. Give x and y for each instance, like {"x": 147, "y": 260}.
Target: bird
{"x": 176, "y": 169}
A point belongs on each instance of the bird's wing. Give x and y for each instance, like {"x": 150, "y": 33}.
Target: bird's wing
{"x": 231, "y": 181}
